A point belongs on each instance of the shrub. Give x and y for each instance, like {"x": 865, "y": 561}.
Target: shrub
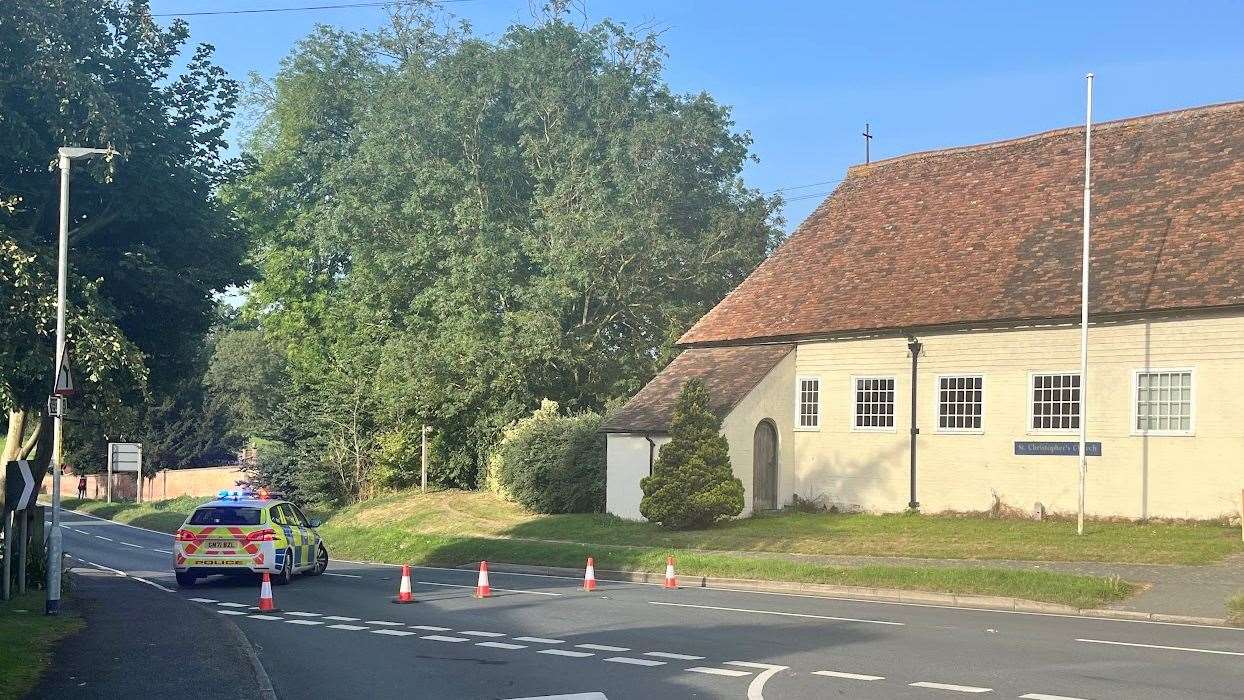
{"x": 551, "y": 463}
{"x": 692, "y": 484}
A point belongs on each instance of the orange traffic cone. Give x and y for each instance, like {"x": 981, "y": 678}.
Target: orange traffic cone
{"x": 671, "y": 581}
{"x": 266, "y": 602}
{"x": 482, "y": 589}
{"x": 589, "y": 576}
{"x": 403, "y": 591}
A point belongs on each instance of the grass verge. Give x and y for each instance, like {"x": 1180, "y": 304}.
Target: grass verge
{"x": 1235, "y": 610}
{"x": 165, "y": 516}
{"x": 26, "y": 639}
{"x": 395, "y": 546}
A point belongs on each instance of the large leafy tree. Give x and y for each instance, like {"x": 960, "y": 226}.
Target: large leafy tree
{"x": 452, "y": 229}
{"x": 151, "y": 243}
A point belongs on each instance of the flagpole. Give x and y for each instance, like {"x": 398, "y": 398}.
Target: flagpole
{"x": 1084, "y": 301}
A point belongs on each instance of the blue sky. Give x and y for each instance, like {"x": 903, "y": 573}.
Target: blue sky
{"x": 804, "y": 77}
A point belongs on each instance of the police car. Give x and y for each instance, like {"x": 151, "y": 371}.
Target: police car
{"x": 248, "y": 533}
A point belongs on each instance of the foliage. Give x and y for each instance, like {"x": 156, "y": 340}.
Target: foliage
{"x": 1235, "y": 609}
{"x": 553, "y": 464}
{"x": 450, "y": 229}
{"x": 692, "y": 484}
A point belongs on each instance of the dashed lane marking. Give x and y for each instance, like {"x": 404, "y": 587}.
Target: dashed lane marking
{"x": 230, "y": 612}
{"x": 331, "y": 573}
{"x": 848, "y": 676}
{"x": 633, "y": 661}
{"x": 347, "y": 627}
{"x": 779, "y": 613}
{"x": 265, "y": 617}
{"x": 227, "y": 604}
{"x": 204, "y": 600}
{"x": 304, "y": 622}
{"x": 719, "y": 671}
{"x": 951, "y": 687}
{"x": 385, "y": 622}
{"x": 442, "y": 638}
{"x": 343, "y": 618}
{"x": 540, "y": 640}
{"x": 1165, "y": 648}
{"x": 135, "y": 546}
{"x": 477, "y": 633}
{"x": 668, "y": 655}
{"x": 430, "y": 628}
{"x": 500, "y": 645}
{"x": 566, "y": 652}
{"x": 601, "y": 647}
{"x": 395, "y": 633}
{"x": 1042, "y": 696}
{"x": 162, "y": 551}
{"x": 303, "y": 614}
{"x": 105, "y": 538}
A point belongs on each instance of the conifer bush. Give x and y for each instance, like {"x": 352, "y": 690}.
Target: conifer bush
{"x": 692, "y": 484}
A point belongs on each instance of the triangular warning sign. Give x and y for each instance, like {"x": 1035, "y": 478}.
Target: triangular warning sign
{"x": 64, "y": 379}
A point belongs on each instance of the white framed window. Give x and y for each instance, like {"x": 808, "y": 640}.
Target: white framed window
{"x": 808, "y": 403}
{"x": 960, "y": 403}
{"x": 1054, "y": 402}
{"x": 1162, "y": 402}
{"x": 874, "y": 403}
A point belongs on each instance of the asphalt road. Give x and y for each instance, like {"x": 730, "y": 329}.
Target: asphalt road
{"x": 339, "y": 635}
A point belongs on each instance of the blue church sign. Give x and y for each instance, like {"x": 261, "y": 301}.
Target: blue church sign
{"x": 1068, "y": 449}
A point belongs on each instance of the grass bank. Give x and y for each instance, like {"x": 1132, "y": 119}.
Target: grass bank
{"x": 1235, "y": 610}
{"x": 165, "y": 516}
{"x": 26, "y": 639}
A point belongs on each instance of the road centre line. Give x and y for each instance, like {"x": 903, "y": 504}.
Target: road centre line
{"x": 307, "y": 622}
{"x": 1166, "y": 648}
{"x": 230, "y": 612}
{"x": 392, "y": 632}
{"x": 105, "y": 538}
{"x": 135, "y": 546}
{"x": 951, "y": 687}
{"x": 566, "y": 652}
{"x": 1042, "y": 696}
{"x": 633, "y": 661}
{"x": 668, "y": 655}
{"x": 477, "y": 633}
{"x": 333, "y": 573}
{"x": 540, "y": 640}
{"x": 296, "y": 613}
{"x": 342, "y": 618}
{"x": 429, "y": 628}
{"x": 385, "y": 622}
{"x": 601, "y": 647}
{"x": 344, "y": 627}
{"x": 500, "y": 645}
{"x": 782, "y": 614}
{"x": 848, "y": 676}
{"x": 162, "y": 551}
{"x": 203, "y": 600}
{"x": 265, "y": 617}
{"x": 718, "y": 671}
{"x": 441, "y": 638}
{"x": 228, "y": 604}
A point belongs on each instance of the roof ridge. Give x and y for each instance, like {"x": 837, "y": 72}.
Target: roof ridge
{"x": 863, "y": 168}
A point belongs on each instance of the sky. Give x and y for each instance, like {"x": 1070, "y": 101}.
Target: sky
{"x": 805, "y": 77}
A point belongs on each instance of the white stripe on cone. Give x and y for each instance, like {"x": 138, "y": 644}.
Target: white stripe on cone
{"x": 589, "y": 576}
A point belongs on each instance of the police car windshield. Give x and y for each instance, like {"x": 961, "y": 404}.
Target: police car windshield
{"x": 225, "y": 515}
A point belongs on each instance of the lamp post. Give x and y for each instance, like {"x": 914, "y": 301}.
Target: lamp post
{"x": 65, "y": 157}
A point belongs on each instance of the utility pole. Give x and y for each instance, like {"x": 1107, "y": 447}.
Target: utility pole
{"x": 65, "y": 156}
{"x": 423, "y": 475}
{"x": 1084, "y": 302}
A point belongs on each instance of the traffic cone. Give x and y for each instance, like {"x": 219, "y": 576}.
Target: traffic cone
{"x": 403, "y": 591}
{"x": 482, "y": 589}
{"x": 589, "y": 576}
{"x": 266, "y": 602}
{"x": 671, "y": 581}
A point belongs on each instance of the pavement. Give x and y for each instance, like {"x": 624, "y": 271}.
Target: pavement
{"x": 339, "y": 635}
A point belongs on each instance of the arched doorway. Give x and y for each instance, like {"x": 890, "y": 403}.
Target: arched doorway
{"x": 765, "y": 467}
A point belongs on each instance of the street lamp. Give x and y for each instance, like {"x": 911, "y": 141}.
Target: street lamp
{"x": 65, "y": 156}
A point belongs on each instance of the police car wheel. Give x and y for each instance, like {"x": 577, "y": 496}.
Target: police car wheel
{"x": 321, "y": 562}
{"x": 185, "y": 579}
{"x": 286, "y": 574}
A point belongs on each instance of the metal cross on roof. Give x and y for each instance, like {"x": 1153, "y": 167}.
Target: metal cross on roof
{"x": 868, "y": 137}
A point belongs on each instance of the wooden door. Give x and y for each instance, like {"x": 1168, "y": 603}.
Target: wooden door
{"x": 764, "y": 466}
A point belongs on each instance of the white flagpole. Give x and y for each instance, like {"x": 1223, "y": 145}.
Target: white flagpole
{"x": 1084, "y": 302}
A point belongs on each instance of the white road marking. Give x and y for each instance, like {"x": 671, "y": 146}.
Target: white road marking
{"x": 439, "y": 638}
{"x": 304, "y": 622}
{"x": 330, "y": 573}
{"x": 265, "y": 617}
{"x": 341, "y": 617}
{"x": 755, "y": 691}
{"x": 203, "y": 600}
{"x": 566, "y": 652}
{"x": 633, "y": 661}
{"x": 1159, "y": 646}
{"x": 135, "y": 546}
{"x": 951, "y": 686}
{"x": 601, "y": 647}
{"x": 230, "y": 612}
{"x": 668, "y": 655}
{"x": 477, "y": 633}
{"x": 719, "y": 671}
{"x": 162, "y": 551}
{"x": 500, "y": 645}
{"x": 395, "y": 633}
{"x": 384, "y": 622}
{"x": 105, "y": 538}
{"x": 539, "y": 640}
{"x": 430, "y": 628}
{"x": 347, "y": 627}
{"x": 1042, "y": 696}
{"x": 303, "y": 614}
{"x": 775, "y": 612}
{"x": 848, "y": 676}
{"x": 505, "y": 590}
{"x": 233, "y": 605}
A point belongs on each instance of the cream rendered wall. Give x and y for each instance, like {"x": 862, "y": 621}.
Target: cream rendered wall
{"x": 627, "y": 462}
{"x": 772, "y": 398}
{"x": 1197, "y": 476}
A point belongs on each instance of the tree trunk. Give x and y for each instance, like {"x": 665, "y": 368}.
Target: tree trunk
{"x": 14, "y": 438}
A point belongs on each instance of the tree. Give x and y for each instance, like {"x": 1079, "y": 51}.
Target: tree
{"x": 466, "y": 227}
{"x": 692, "y": 483}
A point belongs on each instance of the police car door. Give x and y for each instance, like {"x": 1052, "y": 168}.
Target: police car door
{"x": 308, "y": 535}
{"x": 289, "y": 526}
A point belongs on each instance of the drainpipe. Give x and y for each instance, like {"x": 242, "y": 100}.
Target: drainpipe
{"x": 914, "y": 346}
{"x": 652, "y": 448}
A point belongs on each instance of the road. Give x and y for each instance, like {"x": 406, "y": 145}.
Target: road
{"x": 339, "y": 635}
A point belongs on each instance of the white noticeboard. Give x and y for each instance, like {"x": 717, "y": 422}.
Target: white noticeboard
{"x": 124, "y": 457}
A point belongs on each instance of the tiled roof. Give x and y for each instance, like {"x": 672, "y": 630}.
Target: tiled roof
{"x": 993, "y": 233}
{"x": 729, "y": 373}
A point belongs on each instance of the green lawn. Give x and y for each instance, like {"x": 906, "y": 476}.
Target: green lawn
{"x": 26, "y": 639}
{"x": 165, "y": 516}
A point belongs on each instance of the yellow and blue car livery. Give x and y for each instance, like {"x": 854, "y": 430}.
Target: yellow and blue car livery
{"x": 244, "y": 533}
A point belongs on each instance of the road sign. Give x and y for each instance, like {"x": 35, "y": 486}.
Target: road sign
{"x": 64, "y": 378}
{"x": 19, "y": 485}
{"x": 125, "y": 456}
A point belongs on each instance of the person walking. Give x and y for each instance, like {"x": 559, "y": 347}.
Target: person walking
{"x": 82, "y": 487}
